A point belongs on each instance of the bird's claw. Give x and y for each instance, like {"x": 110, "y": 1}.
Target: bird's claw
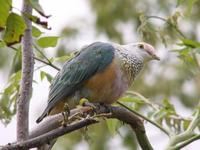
{"x": 92, "y": 106}
{"x": 65, "y": 119}
{"x": 65, "y": 114}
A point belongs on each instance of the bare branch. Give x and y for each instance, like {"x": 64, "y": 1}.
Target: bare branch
{"x": 45, "y": 57}
{"x": 27, "y": 77}
{"x": 47, "y": 137}
{"x": 112, "y": 112}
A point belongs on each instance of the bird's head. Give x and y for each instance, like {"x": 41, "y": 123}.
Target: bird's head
{"x": 142, "y": 50}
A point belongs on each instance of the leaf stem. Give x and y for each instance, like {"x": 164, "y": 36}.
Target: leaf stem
{"x": 45, "y": 57}
{"x": 187, "y": 142}
{"x": 146, "y": 100}
{"x": 168, "y": 22}
{"x": 40, "y": 60}
{"x": 183, "y": 137}
{"x": 145, "y": 118}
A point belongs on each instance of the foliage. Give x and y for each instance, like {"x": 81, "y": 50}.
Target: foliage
{"x": 159, "y": 22}
{"x": 9, "y": 98}
{"x": 45, "y": 42}
{"x": 12, "y": 27}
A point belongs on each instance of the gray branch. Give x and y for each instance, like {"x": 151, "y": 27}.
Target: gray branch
{"x": 51, "y": 127}
{"x": 27, "y": 77}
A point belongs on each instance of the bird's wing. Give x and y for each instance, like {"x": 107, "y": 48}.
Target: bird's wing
{"x": 91, "y": 59}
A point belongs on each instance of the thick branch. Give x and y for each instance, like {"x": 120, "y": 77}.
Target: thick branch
{"x": 54, "y": 121}
{"x": 47, "y": 137}
{"x": 27, "y": 77}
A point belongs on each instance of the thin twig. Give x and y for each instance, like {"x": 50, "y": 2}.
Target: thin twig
{"x": 182, "y": 137}
{"x": 187, "y": 142}
{"x": 49, "y": 64}
{"x": 156, "y": 106}
{"x": 38, "y": 59}
{"x": 168, "y": 22}
{"x": 41, "y": 53}
{"x": 146, "y": 100}
{"x": 145, "y": 118}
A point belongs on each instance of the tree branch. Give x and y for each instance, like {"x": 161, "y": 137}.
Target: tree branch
{"x": 47, "y": 63}
{"x": 40, "y": 60}
{"x": 184, "y": 136}
{"x": 45, "y": 57}
{"x": 47, "y": 137}
{"x": 169, "y": 23}
{"x": 120, "y": 113}
{"x": 145, "y": 118}
{"x": 187, "y": 142}
{"x": 27, "y": 77}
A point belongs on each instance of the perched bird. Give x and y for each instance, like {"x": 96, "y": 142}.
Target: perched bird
{"x": 100, "y": 72}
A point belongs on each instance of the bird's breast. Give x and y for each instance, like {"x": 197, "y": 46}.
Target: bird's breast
{"x": 106, "y": 86}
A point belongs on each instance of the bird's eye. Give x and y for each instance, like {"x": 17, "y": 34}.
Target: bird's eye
{"x": 141, "y": 46}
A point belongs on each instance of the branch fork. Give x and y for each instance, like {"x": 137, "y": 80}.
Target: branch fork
{"x": 51, "y": 128}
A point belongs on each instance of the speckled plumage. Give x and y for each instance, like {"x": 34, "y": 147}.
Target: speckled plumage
{"x": 101, "y": 72}
{"x": 130, "y": 64}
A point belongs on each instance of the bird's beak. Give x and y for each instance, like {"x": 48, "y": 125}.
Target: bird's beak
{"x": 156, "y": 57}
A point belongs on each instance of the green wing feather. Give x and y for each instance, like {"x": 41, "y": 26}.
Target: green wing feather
{"x": 91, "y": 59}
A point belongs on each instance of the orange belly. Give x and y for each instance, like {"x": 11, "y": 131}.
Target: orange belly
{"x": 106, "y": 86}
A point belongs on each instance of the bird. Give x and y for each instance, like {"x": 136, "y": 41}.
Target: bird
{"x": 101, "y": 73}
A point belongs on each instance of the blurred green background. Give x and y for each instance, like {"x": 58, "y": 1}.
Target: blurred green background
{"x": 164, "y": 24}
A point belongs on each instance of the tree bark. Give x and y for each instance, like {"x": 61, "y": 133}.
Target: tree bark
{"x": 27, "y": 77}
{"x": 44, "y": 133}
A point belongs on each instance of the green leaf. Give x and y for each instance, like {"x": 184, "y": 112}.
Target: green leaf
{"x": 35, "y": 4}
{"x": 15, "y": 28}
{"x": 62, "y": 58}
{"x": 48, "y": 76}
{"x": 38, "y": 21}
{"x": 158, "y": 115}
{"x": 49, "y": 41}
{"x": 190, "y": 6}
{"x": 168, "y": 106}
{"x": 184, "y": 52}
{"x": 5, "y": 100}
{"x": 2, "y": 44}
{"x": 112, "y": 125}
{"x": 9, "y": 98}
{"x": 5, "y": 6}
{"x": 191, "y": 43}
{"x": 36, "y": 32}
{"x": 42, "y": 75}
{"x": 131, "y": 99}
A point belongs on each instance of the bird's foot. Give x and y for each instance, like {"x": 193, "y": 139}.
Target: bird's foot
{"x": 107, "y": 108}
{"x": 65, "y": 114}
{"x": 92, "y": 107}
{"x": 103, "y": 115}
{"x": 65, "y": 119}
{"x": 98, "y": 108}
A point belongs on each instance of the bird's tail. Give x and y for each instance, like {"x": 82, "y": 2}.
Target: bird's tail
{"x": 44, "y": 114}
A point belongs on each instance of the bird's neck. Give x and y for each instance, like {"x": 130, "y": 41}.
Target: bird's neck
{"x": 131, "y": 64}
